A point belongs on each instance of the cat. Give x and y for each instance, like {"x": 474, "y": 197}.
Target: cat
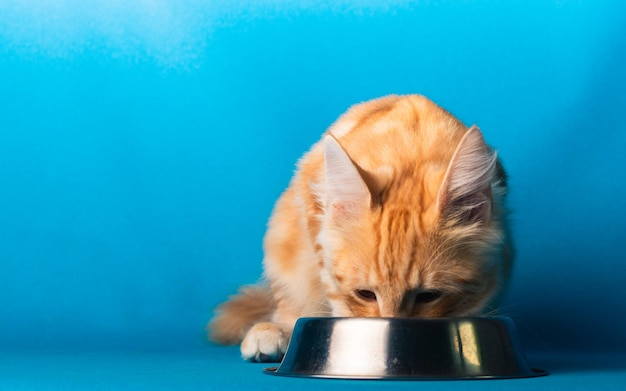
{"x": 399, "y": 211}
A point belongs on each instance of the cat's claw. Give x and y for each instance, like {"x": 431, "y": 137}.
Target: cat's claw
{"x": 265, "y": 342}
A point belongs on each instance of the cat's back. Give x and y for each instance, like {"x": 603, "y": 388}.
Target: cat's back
{"x": 391, "y": 136}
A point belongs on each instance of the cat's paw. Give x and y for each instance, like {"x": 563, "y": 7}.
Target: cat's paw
{"x": 265, "y": 342}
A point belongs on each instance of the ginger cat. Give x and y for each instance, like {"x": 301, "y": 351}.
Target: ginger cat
{"x": 397, "y": 212}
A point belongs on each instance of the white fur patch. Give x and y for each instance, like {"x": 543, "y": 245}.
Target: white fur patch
{"x": 265, "y": 342}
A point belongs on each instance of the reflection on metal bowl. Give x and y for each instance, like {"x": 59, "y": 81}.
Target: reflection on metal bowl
{"x": 399, "y": 348}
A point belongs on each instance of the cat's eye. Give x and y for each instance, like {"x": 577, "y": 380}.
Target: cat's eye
{"x": 427, "y": 296}
{"x": 365, "y": 294}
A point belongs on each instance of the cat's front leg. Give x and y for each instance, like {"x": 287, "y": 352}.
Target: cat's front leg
{"x": 265, "y": 342}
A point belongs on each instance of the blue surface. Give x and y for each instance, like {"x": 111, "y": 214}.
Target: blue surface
{"x": 142, "y": 145}
{"x": 215, "y": 368}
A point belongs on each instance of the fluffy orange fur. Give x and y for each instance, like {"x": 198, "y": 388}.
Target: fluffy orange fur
{"x": 397, "y": 212}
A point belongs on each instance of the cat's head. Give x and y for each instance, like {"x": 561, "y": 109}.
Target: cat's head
{"x": 425, "y": 243}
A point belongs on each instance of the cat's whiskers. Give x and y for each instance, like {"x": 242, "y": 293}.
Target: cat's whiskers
{"x": 323, "y": 309}
{"x": 504, "y": 310}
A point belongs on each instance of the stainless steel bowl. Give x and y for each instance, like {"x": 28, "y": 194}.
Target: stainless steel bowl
{"x": 396, "y": 348}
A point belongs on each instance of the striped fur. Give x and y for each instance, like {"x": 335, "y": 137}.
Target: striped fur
{"x": 399, "y": 200}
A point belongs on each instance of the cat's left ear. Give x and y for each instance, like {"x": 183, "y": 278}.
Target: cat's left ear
{"x": 347, "y": 195}
{"x": 465, "y": 193}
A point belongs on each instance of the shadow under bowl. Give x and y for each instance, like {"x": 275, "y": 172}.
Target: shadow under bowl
{"x": 405, "y": 349}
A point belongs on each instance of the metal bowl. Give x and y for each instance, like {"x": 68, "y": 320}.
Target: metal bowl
{"x": 397, "y": 348}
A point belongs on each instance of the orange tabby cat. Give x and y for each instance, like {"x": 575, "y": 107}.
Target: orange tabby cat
{"x": 397, "y": 212}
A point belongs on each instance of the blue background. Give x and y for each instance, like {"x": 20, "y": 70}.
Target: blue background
{"x": 142, "y": 145}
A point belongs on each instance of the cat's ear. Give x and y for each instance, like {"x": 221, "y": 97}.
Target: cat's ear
{"x": 465, "y": 193}
{"x": 347, "y": 195}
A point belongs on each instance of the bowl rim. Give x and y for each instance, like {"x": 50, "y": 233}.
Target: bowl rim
{"x": 273, "y": 371}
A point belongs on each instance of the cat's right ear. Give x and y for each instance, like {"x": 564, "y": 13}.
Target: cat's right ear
{"x": 466, "y": 189}
{"x": 347, "y": 195}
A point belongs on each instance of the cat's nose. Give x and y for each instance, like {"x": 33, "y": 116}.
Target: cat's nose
{"x": 402, "y": 313}
{"x": 388, "y": 310}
